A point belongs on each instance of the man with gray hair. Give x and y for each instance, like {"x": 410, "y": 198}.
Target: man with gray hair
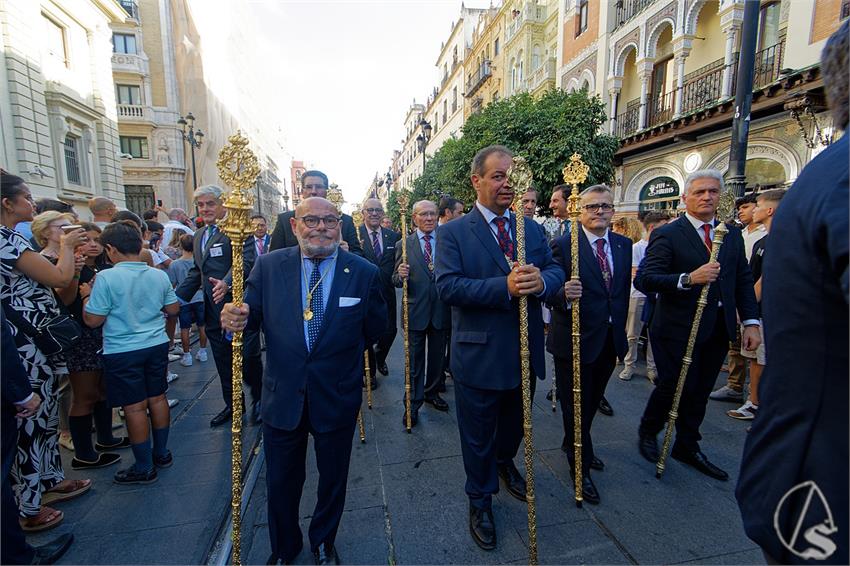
{"x": 212, "y": 272}
{"x": 676, "y": 267}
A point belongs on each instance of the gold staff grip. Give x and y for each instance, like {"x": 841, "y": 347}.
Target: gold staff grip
{"x": 357, "y": 217}
{"x": 403, "y": 202}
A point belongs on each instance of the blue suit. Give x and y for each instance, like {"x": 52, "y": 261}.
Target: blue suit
{"x": 800, "y": 434}
{"x": 471, "y": 276}
{"x": 311, "y": 391}
{"x": 602, "y": 328}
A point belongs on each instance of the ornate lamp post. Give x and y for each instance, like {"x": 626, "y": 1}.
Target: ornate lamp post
{"x": 423, "y": 139}
{"x": 195, "y": 138}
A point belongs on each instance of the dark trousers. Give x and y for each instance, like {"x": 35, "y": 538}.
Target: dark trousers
{"x": 490, "y": 426}
{"x": 707, "y": 357}
{"x": 426, "y": 382}
{"x": 252, "y": 362}
{"x": 286, "y": 455}
{"x": 378, "y": 353}
{"x": 14, "y": 548}
{"x": 594, "y": 379}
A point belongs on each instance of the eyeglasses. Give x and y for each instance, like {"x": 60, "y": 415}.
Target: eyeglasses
{"x": 313, "y": 221}
{"x": 320, "y": 186}
{"x": 373, "y": 210}
{"x": 428, "y": 214}
{"x": 603, "y": 206}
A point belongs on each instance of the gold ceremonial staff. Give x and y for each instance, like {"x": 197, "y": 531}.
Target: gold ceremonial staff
{"x": 403, "y": 203}
{"x": 335, "y": 196}
{"x": 237, "y": 167}
{"x": 357, "y": 216}
{"x": 519, "y": 177}
{"x": 575, "y": 173}
{"x": 724, "y": 209}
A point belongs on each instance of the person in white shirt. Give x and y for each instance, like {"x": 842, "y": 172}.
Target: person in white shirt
{"x": 172, "y": 230}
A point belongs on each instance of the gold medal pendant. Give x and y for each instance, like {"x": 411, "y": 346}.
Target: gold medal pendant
{"x": 308, "y": 314}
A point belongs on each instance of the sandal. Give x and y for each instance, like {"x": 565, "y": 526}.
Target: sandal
{"x": 47, "y": 518}
{"x": 74, "y": 488}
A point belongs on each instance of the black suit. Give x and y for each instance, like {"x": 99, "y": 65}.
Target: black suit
{"x": 15, "y": 388}
{"x": 800, "y": 434}
{"x": 282, "y": 237}
{"x": 602, "y": 327}
{"x": 429, "y": 319}
{"x": 675, "y": 249}
{"x": 378, "y": 352}
{"x": 215, "y": 260}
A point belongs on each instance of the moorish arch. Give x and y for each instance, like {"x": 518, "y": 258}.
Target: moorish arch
{"x": 631, "y": 193}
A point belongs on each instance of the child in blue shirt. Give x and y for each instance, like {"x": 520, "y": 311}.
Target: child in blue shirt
{"x": 128, "y": 301}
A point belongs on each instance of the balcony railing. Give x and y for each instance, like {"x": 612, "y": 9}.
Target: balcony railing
{"x": 544, "y": 72}
{"x": 134, "y": 112}
{"x": 768, "y": 62}
{"x": 532, "y": 13}
{"x": 474, "y": 82}
{"x": 661, "y": 107}
{"x": 627, "y": 9}
{"x": 704, "y": 89}
{"x": 627, "y": 122}
{"x": 131, "y": 8}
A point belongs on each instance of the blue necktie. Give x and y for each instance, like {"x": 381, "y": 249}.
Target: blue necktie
{"x": 317, "y": 304}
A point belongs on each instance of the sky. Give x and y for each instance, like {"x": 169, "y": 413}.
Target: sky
{"x": 328, "y": 82}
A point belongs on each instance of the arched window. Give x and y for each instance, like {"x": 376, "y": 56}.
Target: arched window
{"x": 535, "y": 57}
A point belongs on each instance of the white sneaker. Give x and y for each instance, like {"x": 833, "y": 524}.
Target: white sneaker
{"x": 186, "y": 360}
{"x": 627, "y": 373}
{"x": 726, "y": 393}
{"x": 175, "y": 348}
{"x": 173, "y": 357}
{"x": 745, "y": 412}
{"x": 171, "y": 377}
{"x": 173, "y": 403}
{"x": 201, "y": 356}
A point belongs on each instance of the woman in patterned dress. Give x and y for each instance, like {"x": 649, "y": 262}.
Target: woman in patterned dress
{"x": 25, "y": 291}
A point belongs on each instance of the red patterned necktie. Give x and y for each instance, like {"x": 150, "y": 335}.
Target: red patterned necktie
{"x": 707, "y": 238}
{"x": 428, "y": 252}
{"x": 261, "y": 248}
{"x": 504, "y": 238}
{"x": 603, "y": 262}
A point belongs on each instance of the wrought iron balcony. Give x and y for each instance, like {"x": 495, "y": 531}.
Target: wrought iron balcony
{"x": 474, "y": 82}
{"x": 131, "y": 8}
{"x": 768, "y": 62}
{"x": 627, "y": 9}
{"x": 627, "y": 122}
{"x": 704, "y": 87}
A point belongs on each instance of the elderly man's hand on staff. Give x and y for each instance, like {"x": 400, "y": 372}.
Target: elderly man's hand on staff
{"x": 234, "y": 318}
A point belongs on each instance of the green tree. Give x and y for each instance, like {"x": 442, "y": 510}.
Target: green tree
{"x": 545, "y": 130}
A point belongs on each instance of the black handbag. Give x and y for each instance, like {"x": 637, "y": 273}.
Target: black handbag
{"x": 54, "y": 335}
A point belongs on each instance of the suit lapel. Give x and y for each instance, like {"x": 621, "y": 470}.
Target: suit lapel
{"x": 482, "y": 231}
{"x": 341, "y": 281}
{"x": 416, "y": 251}
{"x": 692, "y": 236}
{"x": 366, "y": 242}
{"x": 622, "y": 263}
{"x": 587, "y": 257}
{"x": 292, "y": 278}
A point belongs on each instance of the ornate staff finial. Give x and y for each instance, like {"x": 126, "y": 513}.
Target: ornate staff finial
{"x": 575, "y": 172}
{"x": 520, "y": 178}
{"x": 357, "y": 217}
{"x": 335, "y": 196}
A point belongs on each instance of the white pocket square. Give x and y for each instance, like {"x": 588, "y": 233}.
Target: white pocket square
{"x": 348, "y": 301}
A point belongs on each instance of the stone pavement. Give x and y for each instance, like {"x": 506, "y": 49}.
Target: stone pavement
{"x": 406, "y": 502}
{"x": 175, "y": 520}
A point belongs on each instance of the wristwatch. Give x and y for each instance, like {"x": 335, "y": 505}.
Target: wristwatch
{"x": 685, "y": 280}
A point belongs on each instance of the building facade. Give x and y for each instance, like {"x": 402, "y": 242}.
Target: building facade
{"x": 484, "y": 67}
{"x": 667, "y": 70}
{"x": 58, "y": 114}
{"x": 531, "y": 45}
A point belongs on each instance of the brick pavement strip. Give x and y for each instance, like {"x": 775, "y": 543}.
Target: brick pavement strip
{"x": 406, "y": 501}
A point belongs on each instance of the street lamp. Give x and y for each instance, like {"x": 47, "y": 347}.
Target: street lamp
{"x": 194, "y": 138}
{"x": 389, "y": 181}
{"x": 423, "y": 139}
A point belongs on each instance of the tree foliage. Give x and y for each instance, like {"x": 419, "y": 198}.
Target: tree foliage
{"x": 545, "y": 130}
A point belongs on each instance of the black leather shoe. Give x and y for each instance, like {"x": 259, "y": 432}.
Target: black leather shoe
{"x": 385, "y": 371}
{"x": 698, "y": 460}
{"x": 482, "y": 527}
{"x": 222, "y": 417}
{"x": 256, "y": 415}
{"x": 589, "y": 492}
{"x": 648, "y": 446}
{"x": 597, "y": 464}
{"x": 52, "y": 551}
{"x": 605, "y": 407}
{"x": 325, "y": 554}
{"x": 437, "y": 402}
{"x": 514, "y": 482}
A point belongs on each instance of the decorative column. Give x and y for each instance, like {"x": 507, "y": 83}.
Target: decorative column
{"x": 681, "y": 50}
{"x": 644, "y": 69}
{"x": 615, "y": 84}
{"x": 731, "y": 19}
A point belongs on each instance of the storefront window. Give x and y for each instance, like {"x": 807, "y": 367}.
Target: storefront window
{"x": 661, "y": 193}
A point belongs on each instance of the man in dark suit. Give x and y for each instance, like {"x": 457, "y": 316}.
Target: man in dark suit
{"x": 19, "y": 400}
{"x": 212, "y": 272}
{"x": 318, "y": 307}
{"x": 428, "y": 316}
{"x": 313, "y": 184}
{"x": 676, "y": 267}
{"x": 605, "y": 273}
{"x": 793, "y": 475}
{"x": 476, "y": 276}
{"x": 260, "y": 239}
{"x": 379, "y": 247}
